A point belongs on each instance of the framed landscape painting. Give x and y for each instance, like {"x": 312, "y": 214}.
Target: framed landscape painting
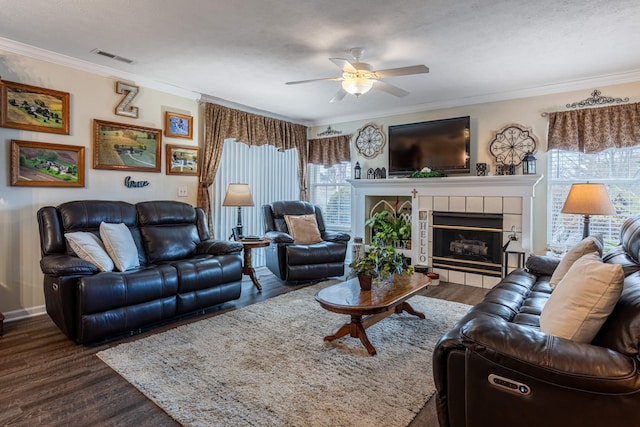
{"x": 118, "y": 146}
{"x": 178, "y": 125}
{"x": 182, "y": 160}
{"x": 33, "y": 108}
{"x": 40, "y": 164}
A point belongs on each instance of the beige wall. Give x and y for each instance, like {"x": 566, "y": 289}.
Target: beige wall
{"x": 486, "y": 120}
{"x": 92, "y": 96}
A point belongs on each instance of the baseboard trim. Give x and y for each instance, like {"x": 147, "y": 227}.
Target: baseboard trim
{"x": 24, "y": 313}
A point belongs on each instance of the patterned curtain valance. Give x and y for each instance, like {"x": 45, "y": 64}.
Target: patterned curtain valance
{"x": 329, "y": 151}
{"x": 591, "y": 130}
{"x": 221, "y": 123}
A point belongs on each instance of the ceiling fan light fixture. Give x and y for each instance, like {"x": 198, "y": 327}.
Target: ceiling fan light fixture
{"x": 357, "y": 85}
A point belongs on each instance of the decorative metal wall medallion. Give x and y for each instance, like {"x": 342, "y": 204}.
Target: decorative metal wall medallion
{"x": 370, "y": 141}
{"x": 512, "y": 143}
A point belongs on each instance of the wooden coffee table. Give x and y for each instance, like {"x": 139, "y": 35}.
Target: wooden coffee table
{"x": 367, "y": 308}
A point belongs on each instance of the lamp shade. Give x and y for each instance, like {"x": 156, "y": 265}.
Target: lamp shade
{"x": 238, "y": 195}
{"x": 588, "y": 199}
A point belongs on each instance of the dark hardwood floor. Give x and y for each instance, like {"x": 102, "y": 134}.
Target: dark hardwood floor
{"x": 47, "y": 380}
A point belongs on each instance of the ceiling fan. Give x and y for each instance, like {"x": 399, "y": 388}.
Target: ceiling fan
{"x": 359, "y": 77}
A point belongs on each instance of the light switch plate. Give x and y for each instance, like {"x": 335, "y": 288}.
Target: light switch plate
{"x": 182, "y": 191}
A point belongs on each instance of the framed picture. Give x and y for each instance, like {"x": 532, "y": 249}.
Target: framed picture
{"x": 40, "y": 164}
{"x": 178, "y": 125}
{"x": 182, "y": 160}
{"x": 119, "y": 146}
{"x": 33, "y": 108}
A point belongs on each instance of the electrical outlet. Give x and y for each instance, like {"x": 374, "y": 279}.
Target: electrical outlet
{"x": 182, "y": 191}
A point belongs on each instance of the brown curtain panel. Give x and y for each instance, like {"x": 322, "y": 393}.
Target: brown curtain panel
{"x": 591, "y": 130}
{"x": 329, "y": 151}
{"x": 221, "y": 123}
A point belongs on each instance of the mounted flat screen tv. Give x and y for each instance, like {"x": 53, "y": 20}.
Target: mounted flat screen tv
{"x": 441, "y": 145}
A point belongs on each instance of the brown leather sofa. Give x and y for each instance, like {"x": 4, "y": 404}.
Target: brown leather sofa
{"x": 293, "y": 262}
{"x": 181, "y": 269}
{"x": 496, "y": 368}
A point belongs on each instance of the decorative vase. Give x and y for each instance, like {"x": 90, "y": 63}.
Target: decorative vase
{"x": 365, "y": 282}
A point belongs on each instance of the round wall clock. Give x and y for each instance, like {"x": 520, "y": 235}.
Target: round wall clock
{"x": 512, "y": 143}
{"x": 370, "y": 141}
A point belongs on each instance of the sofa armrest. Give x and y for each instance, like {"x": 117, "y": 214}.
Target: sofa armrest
{"x": 278, "y": 237}
{"x": 542, "y": 265}
{"x": 219, "y": 247}
{"x": 66, "y": 265}
{"x": 551, "y": 359}
{"x": 337, "y": 236}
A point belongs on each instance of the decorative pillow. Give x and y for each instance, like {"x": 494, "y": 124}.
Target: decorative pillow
{"x": 582, "y": 301}
{"x": 586, "y": 246}
{"x": 303, "y": 229}
{"x": 120, "y": 245}
{"x": 89, "y": 248}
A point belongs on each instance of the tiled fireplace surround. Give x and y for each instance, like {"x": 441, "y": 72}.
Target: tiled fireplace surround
{"x": 510, "y": 196}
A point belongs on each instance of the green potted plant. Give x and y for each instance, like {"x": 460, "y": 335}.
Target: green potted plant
{"x": 381, "y": 262}
{"x": 389, "y": 228}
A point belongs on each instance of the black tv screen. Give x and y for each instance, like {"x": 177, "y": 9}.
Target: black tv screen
{"x": 441, "y": 145}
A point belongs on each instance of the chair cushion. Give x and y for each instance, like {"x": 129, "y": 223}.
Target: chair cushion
{"x": 586, "y": 246}
{"x": 303, "y": 228}
{"x": 583, "y": 299}
{"x": 120, "y": 245}
{"x": 89, "y": 247}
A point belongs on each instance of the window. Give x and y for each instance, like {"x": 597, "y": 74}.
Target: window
{"x": 271, "y": 175}
{"x": 330, "y": 190}
{"x": 617, "y": 168}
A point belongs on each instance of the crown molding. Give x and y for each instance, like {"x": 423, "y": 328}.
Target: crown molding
{"x": 101, "y": 70}
{"x": 567, "y": 86}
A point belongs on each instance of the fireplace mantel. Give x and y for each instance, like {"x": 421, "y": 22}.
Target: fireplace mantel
{"x": 462, "y": 193}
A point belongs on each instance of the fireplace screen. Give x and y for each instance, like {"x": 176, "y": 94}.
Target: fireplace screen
{"x": 468, "y": 242}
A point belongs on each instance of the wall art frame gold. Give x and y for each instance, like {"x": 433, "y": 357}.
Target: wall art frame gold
{"x": 33, "y": 108}
{"x": 42, "y": 164}
{"x": 182, "y": 160}
{"x": 178, "y": 125}
{"x": 119, "y": 146}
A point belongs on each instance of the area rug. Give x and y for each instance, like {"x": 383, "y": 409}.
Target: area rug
{"x": 268, "y": 365}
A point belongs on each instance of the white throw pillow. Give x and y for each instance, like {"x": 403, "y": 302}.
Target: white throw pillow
{"x": 583, "y": 299}
{"x": 89, "y": 248}
{"x": 303, "y": 229}
{"x": 120, "y": 246}
{"x": 588, "y": 245}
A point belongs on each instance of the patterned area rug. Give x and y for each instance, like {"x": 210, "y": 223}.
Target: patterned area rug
{"x": 267, "y": 365}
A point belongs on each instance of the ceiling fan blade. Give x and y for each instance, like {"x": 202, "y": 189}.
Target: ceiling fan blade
{"x": 339, "y": 96}
{"x": 403, "y": 71}
{"x": 312, "y": 80}
{"x": 391, "y": 89}
{"x": 344, "y": 64}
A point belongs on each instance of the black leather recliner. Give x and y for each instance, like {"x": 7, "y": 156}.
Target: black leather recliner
{"x": 302, "y": 263}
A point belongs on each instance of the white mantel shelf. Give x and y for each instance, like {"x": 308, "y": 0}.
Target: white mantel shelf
{"x": 516, "y": 185}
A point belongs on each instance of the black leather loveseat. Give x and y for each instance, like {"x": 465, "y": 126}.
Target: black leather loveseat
{"x": 181, "y": 269}
{"x": 497, "y": 368}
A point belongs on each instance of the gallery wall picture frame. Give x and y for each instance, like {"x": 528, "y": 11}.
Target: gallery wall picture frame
{"x": 119, "y": 146}
{"x": 182, "y": 160}
{"x": 178, "y": 125}
{"x": 42, "y": 164}
{"x": 33, "y": 108}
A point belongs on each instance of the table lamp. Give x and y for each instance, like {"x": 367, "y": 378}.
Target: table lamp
{"x": 588, "y": 199}
{"x": 238, "y": 195}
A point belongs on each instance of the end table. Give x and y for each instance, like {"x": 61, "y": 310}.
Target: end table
{"x": 247, "y": 267}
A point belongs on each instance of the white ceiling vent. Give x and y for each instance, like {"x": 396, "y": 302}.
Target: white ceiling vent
{"x": 112, "y": 56}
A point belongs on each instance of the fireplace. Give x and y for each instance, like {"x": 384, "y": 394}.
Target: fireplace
{"x": 468, "y": 242}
